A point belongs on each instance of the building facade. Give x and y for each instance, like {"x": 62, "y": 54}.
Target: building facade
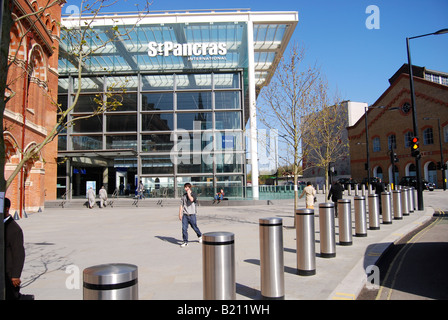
{"x": 390, "y": 126}
{"x": 31, "y": 109}
{"x": 349, "y": 112}
{"x": 191, "y": 80}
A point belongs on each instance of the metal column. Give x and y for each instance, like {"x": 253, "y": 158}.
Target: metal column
{"x": 271, "y": 258}
{"x": 360, "y": 216}
{"x": 116, "y": 281}
{"x": 218, "y": 266}
{"x": 326, "y": 229}
{"x": 305, "y": 240}
{"x": 345, "y": 222}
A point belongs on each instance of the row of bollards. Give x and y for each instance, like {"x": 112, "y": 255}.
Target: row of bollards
{"x": 119, "y": 281}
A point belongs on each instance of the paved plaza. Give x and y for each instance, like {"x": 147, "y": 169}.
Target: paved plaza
{"x": 61, "y": 242}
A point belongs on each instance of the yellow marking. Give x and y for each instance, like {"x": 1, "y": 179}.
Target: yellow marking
{"x": 345, "y": 296}
{"x": 374, "y": 254}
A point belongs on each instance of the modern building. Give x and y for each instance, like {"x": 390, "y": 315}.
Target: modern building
{"x": 31, "y": 94}
{"x": 390, "y": 126}
{"x": 188, "y": 111}
{"x": 349, "y": 113}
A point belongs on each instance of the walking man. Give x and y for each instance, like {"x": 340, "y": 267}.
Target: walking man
{"x": 103, "y": 197}
{"x": 187, "y": 214}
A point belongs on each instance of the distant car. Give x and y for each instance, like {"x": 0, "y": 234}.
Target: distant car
{"x": 373, "y": 180}
{"x": 346, "y": 182}
{"x": 411, "y": 181}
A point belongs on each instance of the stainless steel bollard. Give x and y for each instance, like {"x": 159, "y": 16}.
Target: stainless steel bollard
{"x": 326, "y": 229}
{"x": 116, "y": 281}
{"x": 398, "y": 213}
{"x": 271, "y": 258}
{"x": 405, "y": 201}
{"x": 374, "y": 212}
{"x": 413, "y": 199}
{"x": 410, "y": 199}
{"x": 360, "y": 216}
{"x": 386, "y": 209}
{"x": 218, "y": 266}
{"x": 345, "y": 222}
{"x": 305, "y": 240}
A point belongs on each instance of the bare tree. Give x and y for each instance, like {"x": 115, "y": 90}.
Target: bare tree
{"x": 326, "y": 141}
{"x": 77, "y": 38}
{"x": 287, "y": 102}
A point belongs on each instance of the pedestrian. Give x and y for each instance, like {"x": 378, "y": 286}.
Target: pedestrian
{"x": 187, "y": 214}
{"x": 219, "y": 196}
{"x": 335, "y": 193}
{"x": 103, "y": 196}
{"x": 91, "y": 197}
{"x": 14, "y": 256}
{"x": 379, "y": 187}
{"x": 140, "y": 190}
{"x": 310, "y": 193}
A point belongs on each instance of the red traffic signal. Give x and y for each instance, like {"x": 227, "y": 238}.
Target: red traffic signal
{"x": 415, "y": 152}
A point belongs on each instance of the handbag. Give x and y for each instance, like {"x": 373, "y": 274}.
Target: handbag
{"x": 315, "y": 199}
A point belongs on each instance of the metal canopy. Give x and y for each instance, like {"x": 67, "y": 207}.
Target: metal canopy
{"x": 128, "y": 52}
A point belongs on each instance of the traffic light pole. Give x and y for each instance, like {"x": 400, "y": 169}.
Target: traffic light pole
{"x": 415, "y": 128}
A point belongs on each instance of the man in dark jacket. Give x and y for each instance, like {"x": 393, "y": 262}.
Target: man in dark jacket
{"x": 335, "y": 193}
{"x": 14, "y": 254}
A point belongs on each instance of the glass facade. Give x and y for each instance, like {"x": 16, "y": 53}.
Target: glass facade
{"x": 182, "y": 91}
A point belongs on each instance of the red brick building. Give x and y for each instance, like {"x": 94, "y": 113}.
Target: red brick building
{"x": 391, "y": 124}
{"x": 31, "y": 112}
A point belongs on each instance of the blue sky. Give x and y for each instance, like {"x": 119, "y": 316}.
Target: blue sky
{"x": 357, "y": 61}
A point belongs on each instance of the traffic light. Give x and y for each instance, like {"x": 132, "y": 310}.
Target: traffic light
{"x": 415, "y": 149}
{"x": 395, "y": 157}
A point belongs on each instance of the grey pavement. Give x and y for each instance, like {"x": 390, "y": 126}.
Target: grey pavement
{"x": 61, "y": 242}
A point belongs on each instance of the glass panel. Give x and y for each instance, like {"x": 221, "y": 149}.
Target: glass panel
{"x": 157, "y": 142}
{"x": 195, "y": 163}
{"x": 228, "y": 120}
{"x": 63, "y": 84}
{"x": 157, "y": 101}
{"x": 202, "y": 186}
{"x": 226, "y": 80}
{"x": 92, "y": 124}
{"x": 87, "y": 142}
{"x": 121, "y": 142}
{"x": 94, "y": 84}
{"x": 157, "y": 122}
{"x": 121, "y": 84}
{"x": 158, "y": 187}
{"x": 197, "y": 121}
{"x": 194, "y": 100}
{"x": 158, "y": 82}
{"x": 193, "y": 81}
{"x": 62, "y": 142}
{"x": 229, "y": 140}
{"x": 227, "y": 100}
{"x": 232, "y": 185}
{"x": 88, "y": 103}
{"x": 128, "y": 102}
{"x": 116, "y": 123}
{"x": 229, "y": 162}
{"x": 159, "y": 164}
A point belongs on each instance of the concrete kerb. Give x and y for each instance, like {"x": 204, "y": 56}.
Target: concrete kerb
{"x": 350, "y": 287}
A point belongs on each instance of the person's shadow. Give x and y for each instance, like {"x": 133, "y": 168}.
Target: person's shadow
{"x": 170, "y": 240}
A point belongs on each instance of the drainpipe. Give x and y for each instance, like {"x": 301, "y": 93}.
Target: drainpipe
{"x": 26, "y": 85}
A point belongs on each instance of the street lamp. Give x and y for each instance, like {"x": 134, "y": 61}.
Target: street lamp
{"x": 414, "y": 115}
{"x": 442, "y": 164}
